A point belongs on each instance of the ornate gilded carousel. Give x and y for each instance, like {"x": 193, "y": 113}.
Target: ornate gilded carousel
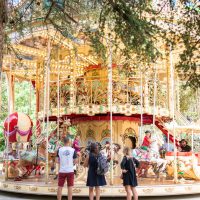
{"x": 77, "y": 93}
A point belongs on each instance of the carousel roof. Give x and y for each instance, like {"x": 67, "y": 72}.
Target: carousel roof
{"x": 31, "y": 51}
{"x": 69, "y": 56}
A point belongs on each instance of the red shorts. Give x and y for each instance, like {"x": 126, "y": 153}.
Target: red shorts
{"x": 63, "y": 176}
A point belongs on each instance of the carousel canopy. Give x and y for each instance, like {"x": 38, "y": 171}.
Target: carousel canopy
{"x": 69, "y": 56}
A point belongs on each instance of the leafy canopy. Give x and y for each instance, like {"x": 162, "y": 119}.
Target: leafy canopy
{"x": 136, "y": 28}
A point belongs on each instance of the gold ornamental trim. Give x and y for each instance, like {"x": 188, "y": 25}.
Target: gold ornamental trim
{"x": 17, "y": 187}
{"x": 148, "y": 190}
{"x": 170, "y": 189}
{"x": 5, "y": 185}
{"x": 122, "y": 191}
{"x": 188, "y": 188}
{"x": 76, "y": 190}
{"x": 33, "y": 189}
{"x": 102, "y": 191}
{"x": 52, "y": 190}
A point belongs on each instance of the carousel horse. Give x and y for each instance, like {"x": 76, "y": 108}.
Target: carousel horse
{"x": 144, "y": 158}
{"x": 150, "y": 161}
{"x": 117, "y": 156}
{"x": 30, "y": 161}
{"x": 155, "y": 154}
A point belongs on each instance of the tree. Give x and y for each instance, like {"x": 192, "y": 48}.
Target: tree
{"x": 2, "y": 141}
{"x": 23, "y": 92}
{"x": 189, "y": 105}
{"x": 4, "y": 101}
{"x": 140, "y": 24}
{"x": 189, "y": 36}
{"x": 135, "y": 26}
{"x": 3, "y": 21}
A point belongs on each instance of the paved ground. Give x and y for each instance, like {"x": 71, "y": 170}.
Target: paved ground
{"x": 11, "y": 196}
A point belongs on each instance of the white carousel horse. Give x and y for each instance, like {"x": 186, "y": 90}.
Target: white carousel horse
{"x": 154, "y": 152}
{"x": 151, "y": 158}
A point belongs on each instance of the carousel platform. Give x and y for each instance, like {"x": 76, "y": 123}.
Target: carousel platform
{"x": 148, "y": 187}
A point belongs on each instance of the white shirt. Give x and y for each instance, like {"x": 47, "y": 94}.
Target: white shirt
{"x": 66, "y": 156}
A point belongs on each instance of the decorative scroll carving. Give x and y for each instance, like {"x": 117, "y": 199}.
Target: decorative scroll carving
{"x": 52, "y": 190}
{"x": 170, "y": 189}
{"x": 90, "y": 133}
{"x": 91, "y": 92}
{"x": 122, "y": 191}
{"x": 129, "y": 132}
{"x": 17, "y": 187}
{"x": 148, "y": 190}
{"x": 5, "y": 185}
{"x": 33, "y": 189}
{"x": 105, "y": 133}
{"x": 102, "y": 191}
{"x": 188, "y": 188}
{"x": 76, "y": 190}
{"x": 65, "y": 95}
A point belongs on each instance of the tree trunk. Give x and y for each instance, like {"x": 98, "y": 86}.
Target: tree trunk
{"x": 3, "y": 19}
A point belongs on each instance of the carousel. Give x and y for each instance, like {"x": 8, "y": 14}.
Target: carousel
{"x": 77, "y": 93}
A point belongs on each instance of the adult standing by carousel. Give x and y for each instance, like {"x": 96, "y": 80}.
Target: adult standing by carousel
{"x": 67, "y": 158}
{"x": 129, "y": 177}
{"x": 93, "y": 179}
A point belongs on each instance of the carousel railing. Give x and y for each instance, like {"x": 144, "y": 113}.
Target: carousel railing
{"x": 90, "y": 95}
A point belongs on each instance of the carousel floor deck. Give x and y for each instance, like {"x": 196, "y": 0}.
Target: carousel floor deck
{"x": 148, "y": 187}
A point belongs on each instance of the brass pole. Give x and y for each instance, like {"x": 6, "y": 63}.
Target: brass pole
{"x": 110, "y": 99}
{"x": 47, "y": 107}
{"x": 141, "y": 106}
{"x": 173, "y": 114}
{"x": 9, "y": 112}
{"x": 58, "y": 97}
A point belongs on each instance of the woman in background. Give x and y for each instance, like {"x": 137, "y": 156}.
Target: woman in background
{"x": 129, "y": 174}
{"x": 93, "y": 179}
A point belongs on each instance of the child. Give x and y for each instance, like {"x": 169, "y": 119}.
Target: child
{"x": 76, "y": 145}
{"x": 78, "y": 152}
{"x": 146, "y": 141}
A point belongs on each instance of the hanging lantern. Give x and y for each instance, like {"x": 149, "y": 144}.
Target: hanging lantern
{"x": 18, "y": 127}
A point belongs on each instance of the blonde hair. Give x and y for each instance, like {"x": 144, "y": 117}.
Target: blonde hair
{"x": 78, "y": 135}
{"x": 126, "y": 151}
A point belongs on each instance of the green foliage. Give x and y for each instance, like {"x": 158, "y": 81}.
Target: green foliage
{"x": 22, "y": 103}
{"x": 25, "y": 101}
{"x": 2, "y": 140}
{"x": 4, "y": 100}
{"x": 95, "y": 38}
{"x": 127, "y": 21}
{"x": 189, "y": 58}
{"x": 4, "y": 111}
{"x": 73, "y": 130}
{"x": 188, "y": 102}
